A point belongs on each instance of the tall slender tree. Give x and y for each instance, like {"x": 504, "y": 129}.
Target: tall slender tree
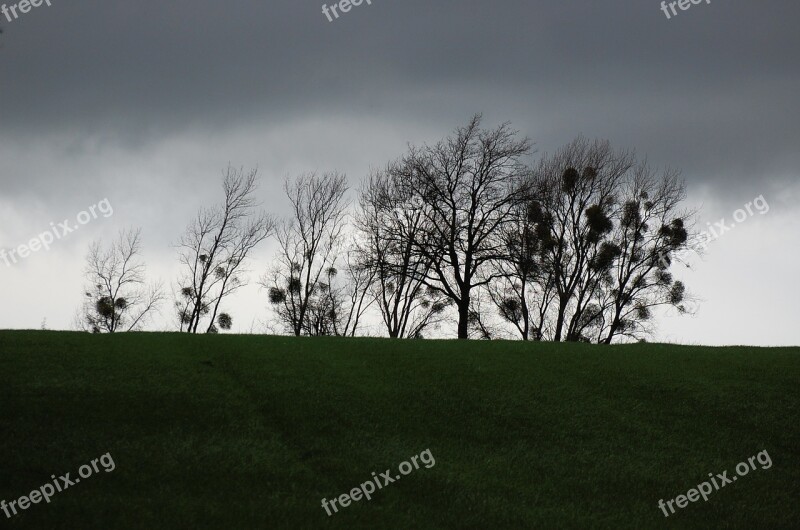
{"x": 577, "y": 188}
{"x": 652, "y": 227}
{"x": 389, "y": 223}
{"x": 524, "y": 290}
{"x": 213, "y": 252}
{"x": 310, "y": 242}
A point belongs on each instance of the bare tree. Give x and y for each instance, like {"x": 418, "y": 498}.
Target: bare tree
{"x": 524, "y": 289}
{"x": 604, "y": 225}
{"x": 310, "y": 241}
{"x": 467, "y": 185}
{"x": 482, "y": 325}
{"x": 213, "y": 251}
{"x": 651, "y": 228}
{"x": 341, "y": 299}
{"x": 577, "y": 188}
{"x": 118, "y": 297}
{"x": 354, "y": 297}
{"x": 389, "y": 223}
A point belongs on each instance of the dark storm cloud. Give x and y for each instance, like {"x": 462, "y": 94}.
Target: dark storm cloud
{"x": 712, "y": 90}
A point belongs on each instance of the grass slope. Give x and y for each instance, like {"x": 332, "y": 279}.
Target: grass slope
{"x": 253, "y": 431}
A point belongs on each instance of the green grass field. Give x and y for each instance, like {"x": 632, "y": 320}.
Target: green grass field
{"x": 254, "y": 431}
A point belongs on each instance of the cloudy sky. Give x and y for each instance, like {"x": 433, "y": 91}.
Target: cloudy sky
{"x": 144, "y": 103}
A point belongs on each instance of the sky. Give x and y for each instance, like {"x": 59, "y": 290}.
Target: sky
{"x": 143, "y": 104}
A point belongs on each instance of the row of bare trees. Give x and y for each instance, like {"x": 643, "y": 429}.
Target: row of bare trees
{"x": 577, "y": 247}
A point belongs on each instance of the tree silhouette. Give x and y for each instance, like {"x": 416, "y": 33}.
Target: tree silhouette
{"x": 214, "y": 250}
{"x": 300, "y": 284}
{"x": 118, "y": 297}
{"x": 465, "y": 186}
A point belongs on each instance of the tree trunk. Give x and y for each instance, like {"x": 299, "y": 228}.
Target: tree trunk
{"x": 560, "y": 322}
{"x": 463, "y": 316}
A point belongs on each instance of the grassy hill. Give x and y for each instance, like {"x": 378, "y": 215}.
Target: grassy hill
{"x": 254, "y": 431}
